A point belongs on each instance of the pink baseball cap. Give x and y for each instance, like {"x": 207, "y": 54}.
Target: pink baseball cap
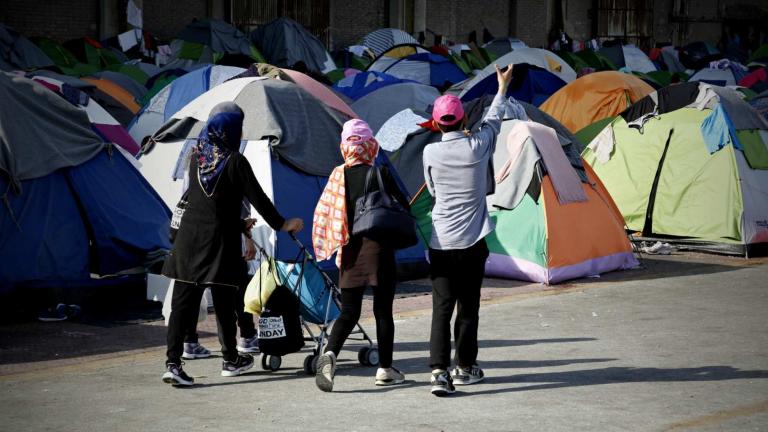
{"x": 356, "y": 127}
{"x": 448, "y": 105}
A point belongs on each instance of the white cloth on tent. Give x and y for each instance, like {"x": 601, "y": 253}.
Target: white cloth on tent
{"x": 128, "y": 39}
{"x": 134, "y": 15}
{"x": 602, "y": 144}
{"x": 707, "y": 98}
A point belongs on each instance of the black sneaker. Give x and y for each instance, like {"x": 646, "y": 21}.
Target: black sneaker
{"x": 467, "y": 376}
{"x": 442, "y": 384}
{"x": 175, "y": 375}
{"x": 237, "y": 367}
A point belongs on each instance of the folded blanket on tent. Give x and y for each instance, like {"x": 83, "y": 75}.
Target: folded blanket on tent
{"x": 565, "y": 180}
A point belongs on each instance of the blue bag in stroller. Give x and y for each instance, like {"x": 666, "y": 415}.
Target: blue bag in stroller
{"x": 312, "y": 290}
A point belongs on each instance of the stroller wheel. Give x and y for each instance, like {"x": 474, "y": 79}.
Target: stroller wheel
{"x": 368, "y": 356}
{"x": 310, "y": 364}
{"x": 271, "y": 362}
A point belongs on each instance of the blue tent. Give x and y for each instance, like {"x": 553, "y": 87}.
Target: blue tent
{"x": 360, "y": 84}
{"x": 82, "y": 209}
{"x": 175, "y": 96}
{"x": 426, "y": 68}
{"x": 530, "y": 84}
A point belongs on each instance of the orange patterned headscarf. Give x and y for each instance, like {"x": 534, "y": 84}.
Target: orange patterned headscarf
{"x": 329, "y": 225}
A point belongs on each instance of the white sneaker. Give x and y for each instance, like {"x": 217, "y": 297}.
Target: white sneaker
{"x": 194, "y": 350}
{"x": 389, "y": 376}
{"x": 326, "y": 370}
{"x": 248, "y": 345}
{"x": 467, "y": 376}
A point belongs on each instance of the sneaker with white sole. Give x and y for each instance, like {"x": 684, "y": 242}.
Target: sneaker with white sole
{"x": 467, "y": 376}
{"x": 442, "y": 384}
{"x": 248, "y": 345}
{"x": 175, "y": 375}
{"x": 237, "y": 367}
{"x": 193, "y": 350}
{"x": 326, "y": 371}
{"x": 389, "y": 376}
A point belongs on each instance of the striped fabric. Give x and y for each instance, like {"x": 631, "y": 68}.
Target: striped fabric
{"x": 381, "y": 40}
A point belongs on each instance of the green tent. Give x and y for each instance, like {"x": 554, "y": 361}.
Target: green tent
{"x": 655, "y": 162}
{"x": 64, "y": 59}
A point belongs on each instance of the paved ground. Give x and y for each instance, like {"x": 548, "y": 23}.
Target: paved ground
{"x": 680, "y": 345}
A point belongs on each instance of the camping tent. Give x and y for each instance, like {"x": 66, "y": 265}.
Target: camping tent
{"x": 284, "y": 42}
{"x": 19, "y": 53}
{"x": 64, "y": 59}
{"x": 594, "y": 97}
{"x": 530, "y": 84}
{"x": 103, "y": 123}
{"x": 175, "y": 96}
{"x": 542, "y": 58}
{"x": 136, "y": 89}
{"x": 82, "y": 209}
{"x": 114, "y": 107}
{"x": 378, "y": 106}
{"x": 537, "y": 237}
{"x": 426, "y": 68}
{"x": 500, "y": 46}
{"x": 115, "y": 91}
{"x": 360, "y": 84}
{"x": 636, "y": 60}
{"x": 717, "y": 76}
{"x": 382, "y": 40}
{"x": 208, "y": 41}
{"x": 290, "y": 137}
{"x": 688, "y": 163}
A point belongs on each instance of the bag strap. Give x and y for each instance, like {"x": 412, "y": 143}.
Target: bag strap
{"x": 384, "y": 194}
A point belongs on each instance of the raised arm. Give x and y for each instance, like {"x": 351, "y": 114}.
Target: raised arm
{"x": 491, "y": 124}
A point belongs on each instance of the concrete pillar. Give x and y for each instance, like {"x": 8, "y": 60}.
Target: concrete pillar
{"x": 419, "y": 16}
{"x": 109, "y": 24}
{"x": 216, "y": 9}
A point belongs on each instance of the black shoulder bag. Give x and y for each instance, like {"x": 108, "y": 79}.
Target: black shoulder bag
{"x": 381, "y": 218}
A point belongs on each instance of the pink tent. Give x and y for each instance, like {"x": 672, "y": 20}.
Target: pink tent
{"x": 318, "y": 90}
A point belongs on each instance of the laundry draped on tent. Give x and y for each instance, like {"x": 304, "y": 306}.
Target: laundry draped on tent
{"x": 538, "y": 237}
{"x": 688, "y": 164}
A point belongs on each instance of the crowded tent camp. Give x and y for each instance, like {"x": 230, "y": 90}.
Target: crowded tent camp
{"x": 326, "y": 197}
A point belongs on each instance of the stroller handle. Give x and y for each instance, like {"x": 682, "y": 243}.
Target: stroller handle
{"x": 302, "y": 248}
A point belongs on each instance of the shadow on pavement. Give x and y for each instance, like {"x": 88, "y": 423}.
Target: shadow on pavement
{"x": 614, "y": 375}
{"x": 490, "y": 343}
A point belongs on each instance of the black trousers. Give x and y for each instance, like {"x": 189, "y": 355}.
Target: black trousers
{"x": 185, "y": 306}
{"x": 457, "y": 275}
{"x": 351, "y": 305}
{"x": 244, "y": 319}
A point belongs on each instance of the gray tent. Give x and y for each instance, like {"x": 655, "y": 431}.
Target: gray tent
{"x": 284, "y": 42}
{"x": 18, "y": 52}
{"x": 303, "y": 130}
{"x": 378, "y": 106}
{"x": 408, "y": 158}
{"x": 35, "y": 121}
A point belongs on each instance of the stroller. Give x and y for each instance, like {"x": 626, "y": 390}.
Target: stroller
{"x": 319, "y": 305}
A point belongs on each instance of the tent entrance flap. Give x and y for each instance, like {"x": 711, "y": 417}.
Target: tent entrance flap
{"x": 648, "y": 227}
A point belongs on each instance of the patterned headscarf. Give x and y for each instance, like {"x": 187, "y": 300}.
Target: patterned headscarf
{"x": 217, "y": 141}
{"x": 330, "y": 230}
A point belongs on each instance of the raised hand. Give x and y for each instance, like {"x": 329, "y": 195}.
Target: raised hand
{"x": 503, "y": 77}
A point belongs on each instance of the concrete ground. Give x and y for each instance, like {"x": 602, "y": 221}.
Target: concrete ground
{"x": 679, "y": 345}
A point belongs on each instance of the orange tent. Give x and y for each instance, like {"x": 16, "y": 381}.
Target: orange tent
{"x": 115, "y": 91}
{"x": 594, "y": 97}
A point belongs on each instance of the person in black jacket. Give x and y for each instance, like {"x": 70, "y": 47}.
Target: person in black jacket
{"x": 362, "y": 261}
{"x": 207, "y": 251}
